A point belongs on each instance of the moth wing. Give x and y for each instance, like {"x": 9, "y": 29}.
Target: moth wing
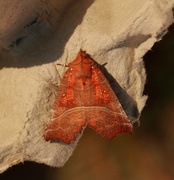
{"x": 63, "y": 126}
{"x": 107, "y": 117}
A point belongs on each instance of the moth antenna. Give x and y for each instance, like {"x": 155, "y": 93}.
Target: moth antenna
{"x": 64, "y": 65}
{"x": 104, "y": 64}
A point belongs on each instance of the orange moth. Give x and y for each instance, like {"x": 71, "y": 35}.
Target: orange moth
{"x": 85, "y": 98}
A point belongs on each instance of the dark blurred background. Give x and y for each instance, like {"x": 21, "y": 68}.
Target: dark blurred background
{"x": 148, "y": 154}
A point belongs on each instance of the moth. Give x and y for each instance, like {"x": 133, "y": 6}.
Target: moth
{"x": 85, "y": 98}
